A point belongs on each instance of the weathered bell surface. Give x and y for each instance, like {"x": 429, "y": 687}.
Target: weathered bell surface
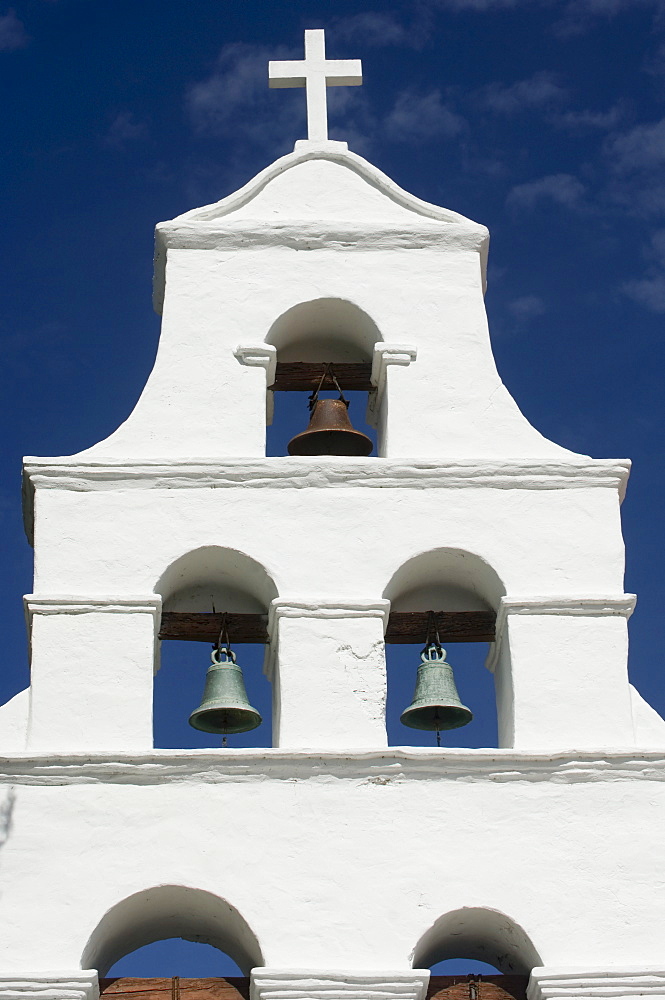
{"x": 330, "y": 432}
{"x": 225, "y": 707}
{"x": 436, "y": 704}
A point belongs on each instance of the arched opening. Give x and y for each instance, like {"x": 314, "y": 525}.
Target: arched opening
{"x": 477, "y": 934}
{"x": 444, "y": 580}
{"x": 209, "y": 582}
{"x": 171, "y": 957}
{"x": 167, "y": 912}
{"x": 307, "y": 337}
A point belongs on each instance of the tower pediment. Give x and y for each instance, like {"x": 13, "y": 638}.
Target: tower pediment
{"x": 319, "y": 195}
{"x": 325, "y": 184}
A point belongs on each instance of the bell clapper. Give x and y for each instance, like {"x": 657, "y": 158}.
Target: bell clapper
{"x": 438, "y": 731}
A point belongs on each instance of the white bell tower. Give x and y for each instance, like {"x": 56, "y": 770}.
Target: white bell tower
{"x": 330, "y": 865}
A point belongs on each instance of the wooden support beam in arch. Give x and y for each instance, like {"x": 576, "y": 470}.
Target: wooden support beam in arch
{"x": 403, "y": 626}
{"x": 304, "y": 376}
{"x": 461, "y": 987}
{"x": 451, "y": 626}
{"x": 175, "y": 988}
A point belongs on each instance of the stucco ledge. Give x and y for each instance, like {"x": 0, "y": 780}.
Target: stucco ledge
{"x": 381, "y": 767}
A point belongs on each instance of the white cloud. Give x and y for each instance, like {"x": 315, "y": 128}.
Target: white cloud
{"x": 602, "y": 8}
{"x": 640, "y": 148}
{"x": 636, "y": 168}
{"x": 537, "y": 90}
{"x": 122, "y": 130}
{"x": 579, "y": 15}
{"x": 375, "y": 28}
{"x": 526, "y": 308}
{"x": 562, "y": 189}
{"x": 421, "y": 116}
{"x": 589, "y": 120}
{"x": 576, "y": 13}
{"x": 608, "y": 8}
{"x": 234, "y": 100}
{"x": 655, "y": 61}
{"x": 574, "y": 8}
{"x": 656, "y": 247}
{"x": 12, "y": 32}
{"x": 479, "y": 5}
{"x": 648, "y": 292}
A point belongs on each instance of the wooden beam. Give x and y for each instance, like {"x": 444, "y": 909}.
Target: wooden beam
{"x": 304, "y": 376}
{"x": 403, "y": 626}
{"x": 460, "y": 987}
{"x": 125, "y": 988}
{"x": 477, "y": 987}
{"x": 453, "y": 626}
{"x": 205, "y": 626}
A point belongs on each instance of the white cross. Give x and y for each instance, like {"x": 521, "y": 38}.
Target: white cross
{"x": 315, "y": 73}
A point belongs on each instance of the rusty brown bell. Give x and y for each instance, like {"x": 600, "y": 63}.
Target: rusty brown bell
{"x": 330, "y": 432}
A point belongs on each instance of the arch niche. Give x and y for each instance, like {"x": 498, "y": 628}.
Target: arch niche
{"x": 225, "y": 579}
{"x": 325, "y": 329}
{"x": 444, "y": 579}
{"x": 317, "y": 332}
{"x": 213, "y": 573}
{"x": 171, "y": 911}
{"x": 479, "y": 934}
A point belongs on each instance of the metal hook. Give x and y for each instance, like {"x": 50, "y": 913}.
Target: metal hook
{"x": 432, "y": 637}
{"x": 328, "y": 372}
{"x": 223, "y": 640}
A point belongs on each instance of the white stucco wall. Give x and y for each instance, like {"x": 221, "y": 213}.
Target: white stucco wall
{"x": 321, "y": 227}
{"x": 14, "y": 716}
{"x": 516, "y": 534}
{"x": 339, "y": 863}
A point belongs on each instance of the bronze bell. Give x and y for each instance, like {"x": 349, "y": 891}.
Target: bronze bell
{"x": 436, "y": 704}
{"x": 330, "y": 432}
{"x": 225, "y": 707}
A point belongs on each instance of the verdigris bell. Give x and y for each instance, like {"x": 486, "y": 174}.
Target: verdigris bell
{"x": 436, "y": 704}
{"x": 330, "y": 432}
{"x": 225, "y": 707}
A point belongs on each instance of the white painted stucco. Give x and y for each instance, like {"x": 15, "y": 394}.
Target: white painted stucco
{"x": 322, "y": 228}
{"x": 331, "y": 864}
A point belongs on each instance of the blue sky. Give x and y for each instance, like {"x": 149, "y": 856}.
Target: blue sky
{"x": 543, "y": 119}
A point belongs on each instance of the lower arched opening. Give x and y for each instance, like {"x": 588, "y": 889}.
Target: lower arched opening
{"x": 476, "y": 953}
{"x": 171, "y": 957}
{"x": 154, "y": 917}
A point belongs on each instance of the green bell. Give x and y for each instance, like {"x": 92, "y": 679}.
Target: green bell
{"x": 225, "y": 707}
{"x": 436, "y": 704}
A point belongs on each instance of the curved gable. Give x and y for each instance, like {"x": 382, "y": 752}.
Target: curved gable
{"x": 316, "y": 185}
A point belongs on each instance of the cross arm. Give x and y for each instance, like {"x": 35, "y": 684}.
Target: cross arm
{"x": 344, "y": 72}
{"x": 286, "y": 74}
